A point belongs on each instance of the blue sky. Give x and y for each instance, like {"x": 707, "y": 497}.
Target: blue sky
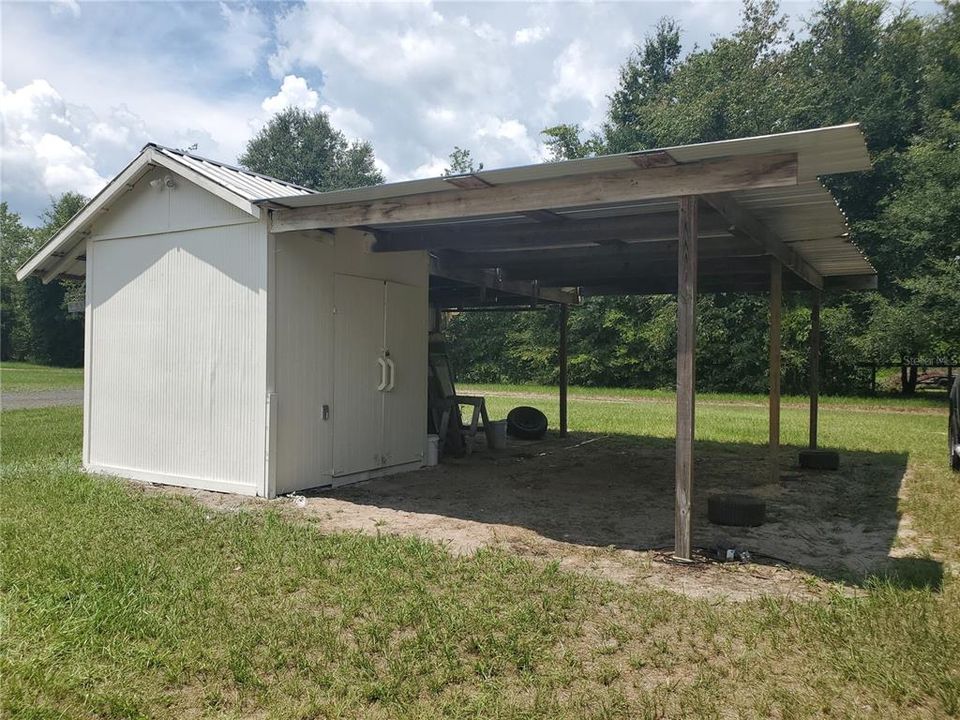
{"x": 85, "y": 85}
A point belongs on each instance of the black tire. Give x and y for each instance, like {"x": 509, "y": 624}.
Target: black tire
{"x": 526, "y": 423}
{"x": 736, "y": 510}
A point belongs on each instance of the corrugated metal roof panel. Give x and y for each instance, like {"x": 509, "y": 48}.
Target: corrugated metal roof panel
{"x": 822, "y": 151}
{"x": 250, "y": 185}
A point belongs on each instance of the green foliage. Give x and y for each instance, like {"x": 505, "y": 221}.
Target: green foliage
{"x": 304, "y": 148}
{"x": 15, "y": 243}
{"x": 461, "y": 163}
{"x": 36, "y": 325}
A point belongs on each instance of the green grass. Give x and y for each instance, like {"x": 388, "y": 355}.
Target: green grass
{"x": 932, "y": 399}
{"x": 124, "y": 604}
{"x": 24, "y": 377}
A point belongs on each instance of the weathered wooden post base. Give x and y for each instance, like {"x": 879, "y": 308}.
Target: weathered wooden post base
{"x": 819, "y": 459}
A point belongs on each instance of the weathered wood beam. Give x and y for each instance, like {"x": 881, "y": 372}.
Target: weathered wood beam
{"x": 708, "y": 176}
{"x": 717, "y": 247}
{"x": 686, "y": 372}
{"x": 640, "y": 269}
{"x": 642, "y": 227}
{"x": 564, "y": 322}
{"x": 776, "y": 296}
{"x": 745, "y": 222}
{"x": 814, "y": 366}
{"x": 492, "y": 280}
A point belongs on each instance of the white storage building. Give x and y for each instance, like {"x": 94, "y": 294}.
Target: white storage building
{"x": 198, "y": 319}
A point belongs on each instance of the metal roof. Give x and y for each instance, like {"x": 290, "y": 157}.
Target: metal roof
{"x": 805, "y": 216}
{"x": 822, "y": 151}
{"x": 249, "y": 185}
{"x": 63, "y": 254}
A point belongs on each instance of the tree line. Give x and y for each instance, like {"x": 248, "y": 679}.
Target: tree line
{"x": 894, "y": 71}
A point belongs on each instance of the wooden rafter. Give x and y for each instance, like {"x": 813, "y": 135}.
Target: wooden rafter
{"x": 642, "y": 227}
{"x": 492, "y": 280}
{"x": 743, "y": 221}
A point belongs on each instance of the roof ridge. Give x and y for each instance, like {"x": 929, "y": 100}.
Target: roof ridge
{"x": 227, "y": 166}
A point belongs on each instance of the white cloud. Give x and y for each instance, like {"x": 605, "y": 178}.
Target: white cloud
{"x": 294, "y": 92}
{"x": 43, "y": 149}
{"x": 529, "y": 35}
{"x": 67, "y": 167}
{"x": 244, "y": 37}
{"x": 65, "y": 7}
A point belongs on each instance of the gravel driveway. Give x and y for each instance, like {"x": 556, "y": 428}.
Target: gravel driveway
{"x": 41, "y": 398}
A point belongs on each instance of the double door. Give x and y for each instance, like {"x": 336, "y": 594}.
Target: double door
{"x": 380, "y": 370}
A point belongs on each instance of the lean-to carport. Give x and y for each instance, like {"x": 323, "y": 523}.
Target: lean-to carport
{"x": 747, "y": 215}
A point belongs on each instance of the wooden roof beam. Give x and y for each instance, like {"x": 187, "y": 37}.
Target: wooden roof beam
{"x": 583, "y": 256}
{"x": 641, "y": 272}
{"x": 744, "y": 222}
{"x": 695, "y": 178}
{"x": 494, "y": 281}
{"x": 645, "y": 227}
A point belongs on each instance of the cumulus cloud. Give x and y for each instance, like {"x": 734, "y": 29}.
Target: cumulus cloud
{"x": 244, "y": 36}
{"x": 294, "y": 92}
{"x": 45, "y": 146}
{"x": 529, "y": 35}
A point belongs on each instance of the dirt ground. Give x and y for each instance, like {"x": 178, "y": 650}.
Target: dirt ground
{"x": 604, "y": 505}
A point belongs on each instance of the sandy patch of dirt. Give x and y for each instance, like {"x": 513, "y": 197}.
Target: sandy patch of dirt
{"x": 605, "y": 506}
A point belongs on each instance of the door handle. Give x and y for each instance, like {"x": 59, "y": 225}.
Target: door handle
{"x": 393, "y": 374}
{"x": 383, "y": 374}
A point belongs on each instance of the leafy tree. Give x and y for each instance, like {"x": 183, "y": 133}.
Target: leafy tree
{"x": 461, "y": 163}
{"x": 52, "y": 336}
{"x": 565, "y": 143}
{"x": 16, "y": 240}
{"x": 304, "y": 148}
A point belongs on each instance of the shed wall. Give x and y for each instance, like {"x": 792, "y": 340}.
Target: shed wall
{"x": 146, "y": 210}
{"x": 176, "y": 364}
{"x": 304, "y": 383}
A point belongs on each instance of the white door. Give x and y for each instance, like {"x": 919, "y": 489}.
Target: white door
{"x": 359, "y": 374}
{"x": 405, "y": 395}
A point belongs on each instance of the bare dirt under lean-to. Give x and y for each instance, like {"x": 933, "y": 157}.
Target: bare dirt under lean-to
{"x": 605, "y": 506}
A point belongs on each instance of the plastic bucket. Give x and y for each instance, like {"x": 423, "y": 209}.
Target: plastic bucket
{"x": 499, "y": 428}
{"x": 433, "y": 450}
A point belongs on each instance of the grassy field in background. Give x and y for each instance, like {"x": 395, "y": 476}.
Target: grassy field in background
{"x": 924, "y": 399}
{"x": 24, "y": 377}
{"x": 124, "y": 604}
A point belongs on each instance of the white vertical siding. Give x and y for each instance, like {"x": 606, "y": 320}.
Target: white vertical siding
{"x": 305, "y": 268}
{"x": 177, "y": 372}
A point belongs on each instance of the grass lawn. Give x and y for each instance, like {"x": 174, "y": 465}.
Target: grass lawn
{"x": 24, "y": 377}
{"x": 124, "y": 604}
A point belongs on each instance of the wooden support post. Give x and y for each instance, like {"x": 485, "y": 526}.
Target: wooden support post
{"x": 776, "y": 293}
{"x": 564, "y": 319}
{"x": 686, "y": 370}
{"x": 814, "y": 365}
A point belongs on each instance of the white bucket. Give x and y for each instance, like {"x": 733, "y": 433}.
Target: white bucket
{"x": 433, "y": 450}
{"x": 499, "y": 428}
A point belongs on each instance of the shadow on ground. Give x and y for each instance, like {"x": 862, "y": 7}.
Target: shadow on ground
{"x": 617, "y": 492}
